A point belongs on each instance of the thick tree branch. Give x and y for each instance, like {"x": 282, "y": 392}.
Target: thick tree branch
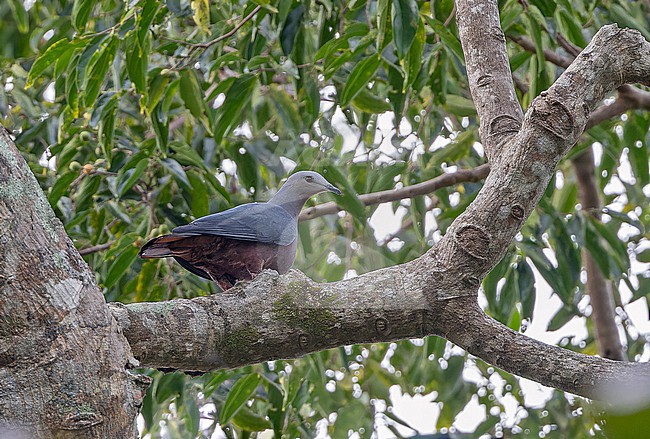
{"x": 488, "y": 73}
{"x": 629, "y": 97}
{"x": 598, "y": 287}
{"x": 287, "y": 316}
{"x": 426, "y": 187}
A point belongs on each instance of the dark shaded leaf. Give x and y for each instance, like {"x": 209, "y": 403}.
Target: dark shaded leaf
{"x": 526, "y": 286}
{"x": 128, "y": 179}
{"x": 178, "y": 172}
{"x": 405, "y": 25}
{"x": 290, "y": 29}
{"x": 451, "y": 41}
{"x": 236, "y": 98}
{"x": 20, "y": 15}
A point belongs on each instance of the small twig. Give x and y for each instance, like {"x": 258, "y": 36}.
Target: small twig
{"x": 567, "y": 45}
{"x": 227, "y": 34}
{"x": 207, "y": 44}
{"x": 528, "y": 45}
{"x": 520, "y": 84}
{"x": 451, "y": 16}
{"x": 95, "y": 248}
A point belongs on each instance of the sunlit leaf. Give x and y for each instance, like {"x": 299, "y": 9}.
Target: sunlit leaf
{"x": 237, "y": 397}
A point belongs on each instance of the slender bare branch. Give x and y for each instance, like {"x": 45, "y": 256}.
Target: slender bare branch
{"x": 528, "y": 45}
{"x": 95, "y": 248}
{"x": 423, "y": 188}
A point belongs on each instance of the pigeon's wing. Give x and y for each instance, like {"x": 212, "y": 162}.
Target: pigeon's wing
{"x": 259, "y": 222}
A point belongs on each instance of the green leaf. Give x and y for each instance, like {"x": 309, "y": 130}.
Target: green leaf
{"x": 128, "y": 179}
{"x": 52, "y": 54}
{"x": 383, "y": 22}
{"x": 359, "y": 78}
{"x": 563, "y": 316}
{"x": 643, "y": 256}
{"x": 201, "y": 14}
{"x": 20, "y": 15}
{"x": 405, "y": 25}
{"x": 249, "y": 421}
{"x": 367, "y": 102}
{"x": 450, "y": 40}
{"x": 200, "y": 204}
{"x": 526, "y": 286}
{"x": 157, "y": 86}
{"x": 178, "y": 172}
{"x": 137, "y": 59}
{"x": 459, "y": 105}
{"x": 639, "y": 160}
{"x": 290, "y": 29}
{"x": 192, "y": 96}
{"x": 120, "y": 265}
{"x": 237, "y": 97}
{"x": 81, "y": 13}
{"x": 247, "y": 167}
{"x": 412, "y": 63}
{"x": 240, "y": 393}
{"x": 105, "y": 104}
{"x": 95, "y": 79}
{"x": 348, "y": 200}
{"x": 149, "y": 10}
{"x": 335, "y": 44}
{"x": 286, "y": 109}
{"x": 61, "y": 186}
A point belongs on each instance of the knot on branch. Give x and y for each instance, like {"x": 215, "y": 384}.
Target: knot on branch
{"x": 553, "y": 116}
{"x": 81, "y": 421}
{"x": 474, "y": 241}
{"x": 517, "y": 212}
{"x": 484, "y": 80}
{"x": 504, "y": 124}
{"x": 497, "y": 33}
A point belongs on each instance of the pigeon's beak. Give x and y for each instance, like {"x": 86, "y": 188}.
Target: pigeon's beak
{"x": 334, "y": 189}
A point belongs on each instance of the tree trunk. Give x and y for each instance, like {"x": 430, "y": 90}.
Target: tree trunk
{"x": 63, "y": 359}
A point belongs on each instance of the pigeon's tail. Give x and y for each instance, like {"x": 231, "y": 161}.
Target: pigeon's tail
{"x": 159, "y": 247}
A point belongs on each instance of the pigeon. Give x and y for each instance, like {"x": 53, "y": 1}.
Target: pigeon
{"x": 238, "y": 243}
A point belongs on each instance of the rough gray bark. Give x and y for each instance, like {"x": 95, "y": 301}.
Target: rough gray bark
{"x": 63, "y": 359}
{"x": 488, "y": 72}
{"x": 285, "y": 317}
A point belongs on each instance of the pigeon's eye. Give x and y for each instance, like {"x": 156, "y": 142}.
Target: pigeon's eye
{"x": 309, "y": 179}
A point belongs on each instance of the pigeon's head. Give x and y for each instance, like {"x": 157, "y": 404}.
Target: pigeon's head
{"x": 309, "y": 183}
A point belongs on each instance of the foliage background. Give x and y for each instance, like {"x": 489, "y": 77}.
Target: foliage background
{"x": 159, "y": 112}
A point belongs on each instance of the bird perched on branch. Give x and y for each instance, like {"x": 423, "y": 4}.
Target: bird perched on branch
{"x": 237, "y": 244}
